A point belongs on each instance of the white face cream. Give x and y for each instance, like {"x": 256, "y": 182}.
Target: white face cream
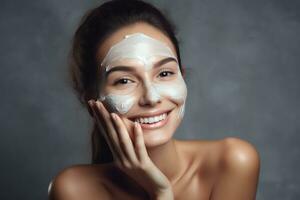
{"x": 142, "y": 50}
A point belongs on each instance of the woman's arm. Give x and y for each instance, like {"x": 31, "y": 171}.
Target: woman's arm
{"x": 239, "y": 171}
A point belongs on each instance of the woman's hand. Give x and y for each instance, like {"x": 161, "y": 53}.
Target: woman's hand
{"x": 131, "y": 156}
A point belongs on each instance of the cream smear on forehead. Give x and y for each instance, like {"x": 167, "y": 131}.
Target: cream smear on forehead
{"x": 137, "y": 46}
{"x": 143, "y": 48}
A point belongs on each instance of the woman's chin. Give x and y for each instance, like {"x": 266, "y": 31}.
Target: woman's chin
{"x": 156, "y": 139}
{"x": 160, "y": 136}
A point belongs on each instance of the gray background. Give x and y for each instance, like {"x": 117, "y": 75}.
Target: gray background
{"x": 242, "y": 59}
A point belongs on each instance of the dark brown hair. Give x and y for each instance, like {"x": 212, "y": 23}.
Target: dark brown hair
{"x": 96, "y": 25}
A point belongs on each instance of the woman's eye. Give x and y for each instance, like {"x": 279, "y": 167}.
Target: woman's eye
{"x": 165, "y": 73}
{"x": 122, "y": 81}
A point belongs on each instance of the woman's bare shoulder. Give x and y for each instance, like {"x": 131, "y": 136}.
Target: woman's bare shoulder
{"x": 227, "y": 163}
{"x": 78, "y": 181}
{"x": 239, "y": 153}
{"x": 230, "y": 152}
{"x": 239, "y": 164}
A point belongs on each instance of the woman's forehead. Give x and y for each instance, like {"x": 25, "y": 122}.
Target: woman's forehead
{"x": 137, "y": 46}
{"x": 143, "y": 28}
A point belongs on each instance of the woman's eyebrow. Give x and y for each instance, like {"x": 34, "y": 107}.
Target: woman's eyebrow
{"x": 164, "y": 61}
{"x": 130, "y": 68}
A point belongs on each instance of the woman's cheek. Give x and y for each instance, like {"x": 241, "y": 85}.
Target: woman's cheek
{"x": 174, "y": 91}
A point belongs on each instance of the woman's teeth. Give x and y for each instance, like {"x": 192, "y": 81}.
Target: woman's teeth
{"x": 150, "y": 120}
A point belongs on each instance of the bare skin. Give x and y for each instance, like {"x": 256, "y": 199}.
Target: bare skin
{"x": 157, "y": 166}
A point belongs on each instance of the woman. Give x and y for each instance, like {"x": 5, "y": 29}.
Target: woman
{"x": 127, "y": 70}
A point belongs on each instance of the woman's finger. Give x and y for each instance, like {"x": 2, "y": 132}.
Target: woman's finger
{"x": 124, "y": 138}
{"x": 104, "y": 131}
{"x": 140, "y": 143}
{"x": 111, "y": 131}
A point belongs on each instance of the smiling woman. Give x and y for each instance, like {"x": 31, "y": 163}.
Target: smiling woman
{"x": 127, "y": 70}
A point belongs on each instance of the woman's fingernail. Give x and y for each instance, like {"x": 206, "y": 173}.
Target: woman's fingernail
{"x": 100, "y": 103}
{"x": 97, "y": 103}
{"x": 113, "y": 115}
{"x": 90, "y": 103}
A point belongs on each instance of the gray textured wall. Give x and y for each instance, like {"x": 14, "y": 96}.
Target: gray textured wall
{"x": 242, "y": 59}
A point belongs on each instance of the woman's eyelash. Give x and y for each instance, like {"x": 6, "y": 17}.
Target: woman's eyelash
{"x": 122, "y": 81}
{"x": 165, "y": 72}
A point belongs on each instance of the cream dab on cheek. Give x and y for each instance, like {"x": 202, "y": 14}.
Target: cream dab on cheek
{"x": 120, "y": 103}
{"x": 176, "y": 91}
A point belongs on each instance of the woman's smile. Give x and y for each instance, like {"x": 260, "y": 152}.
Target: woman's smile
{"x": 153, "y": 121}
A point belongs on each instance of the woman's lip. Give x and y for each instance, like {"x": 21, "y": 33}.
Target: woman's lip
{"x": 157, "y": 124}
{"x": 149, "y": 115}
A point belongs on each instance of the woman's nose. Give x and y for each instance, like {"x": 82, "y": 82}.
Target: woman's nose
{"x": 150, "y": 96}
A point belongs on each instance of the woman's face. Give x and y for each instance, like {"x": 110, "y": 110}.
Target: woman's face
{"x": 141, "y": 81}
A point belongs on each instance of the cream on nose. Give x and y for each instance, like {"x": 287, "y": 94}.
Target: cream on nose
{"x": 150, "y": 95}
